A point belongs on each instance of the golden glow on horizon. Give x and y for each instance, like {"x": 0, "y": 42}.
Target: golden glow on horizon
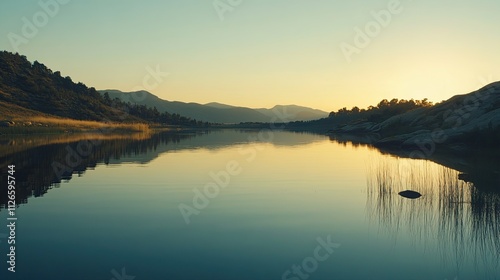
{"x": 268, "y": 53}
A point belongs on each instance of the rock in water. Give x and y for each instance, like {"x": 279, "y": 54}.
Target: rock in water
{"x": 410, "y": 194}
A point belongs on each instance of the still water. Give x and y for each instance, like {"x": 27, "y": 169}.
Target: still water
{"x": 241, "y": 205}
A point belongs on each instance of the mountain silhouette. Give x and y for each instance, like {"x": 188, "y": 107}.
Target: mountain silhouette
{"x": 218, "y": 112}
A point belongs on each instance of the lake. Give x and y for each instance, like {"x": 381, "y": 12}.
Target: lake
{"x": 240, "y": 204}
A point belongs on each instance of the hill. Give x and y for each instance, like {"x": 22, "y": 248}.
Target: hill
{"x": 34, "y": 87}
{"x": 292, "y": 112}
{"x": 192, "y": 110}
{"x": 344, "y": 118}
{"x": 295, "y": 112}
{"x": 33, "y": 90}
{"x": 217, "y": 112}
{"x": 468, "y": 120}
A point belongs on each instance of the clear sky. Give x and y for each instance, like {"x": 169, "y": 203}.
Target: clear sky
{"x": 260, "y": 53}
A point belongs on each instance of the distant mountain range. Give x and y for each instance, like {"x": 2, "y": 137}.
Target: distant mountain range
{"x": 30, "y": 89}
{"x": 217, "y": 112}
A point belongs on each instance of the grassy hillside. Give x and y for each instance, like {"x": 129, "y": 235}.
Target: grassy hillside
{"x": 29, "y": 90}
{"x": 37, "y": 88}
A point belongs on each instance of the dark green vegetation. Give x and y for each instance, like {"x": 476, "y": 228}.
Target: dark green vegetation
{"x": 33, "y": 89}
{"x": 382, "y": 111}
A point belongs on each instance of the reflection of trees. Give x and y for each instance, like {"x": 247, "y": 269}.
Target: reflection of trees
{"x": 354, "y": 139}
{"x": 34, "y": 155}
{"x": 34, "y": 171}
{"x": 464, "y": 220}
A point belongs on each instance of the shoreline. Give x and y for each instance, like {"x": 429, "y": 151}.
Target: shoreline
{"x": 53, "y": 125}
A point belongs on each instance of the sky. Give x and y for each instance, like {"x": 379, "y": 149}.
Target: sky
{"x": 323, "y": 54}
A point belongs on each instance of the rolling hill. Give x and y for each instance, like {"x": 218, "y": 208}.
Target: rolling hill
{"x": 295, "y": 112}
{"x": 34, "y": 87}
{"x": 467, "y": 120}
{"x": 217, "y": 112}
{"x": 31, "y": 90}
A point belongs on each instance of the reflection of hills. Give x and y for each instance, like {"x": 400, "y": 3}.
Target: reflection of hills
{"x": 218, "y": 139}
{"x": 463, "y": 219}
{"x": 35, "y": 174}
{"x": 36, "y": 157}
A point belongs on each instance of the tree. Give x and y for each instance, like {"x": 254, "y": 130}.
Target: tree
{"x": 107, "y": 99}
{"x": 383, "y": 104}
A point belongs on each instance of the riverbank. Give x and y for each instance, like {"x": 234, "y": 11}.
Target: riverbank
{"x": 44, "y": 125}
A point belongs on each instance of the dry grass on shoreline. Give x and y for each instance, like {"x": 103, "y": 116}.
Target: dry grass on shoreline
{"x": 47, "y": 124}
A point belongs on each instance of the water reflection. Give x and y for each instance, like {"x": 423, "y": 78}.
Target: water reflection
{"x": 44, "y": 161}
{"x": 463, "y": 220}
{"x": 37, "y": 159}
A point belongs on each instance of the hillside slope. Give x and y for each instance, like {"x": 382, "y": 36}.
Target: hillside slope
{"x": 217, "y": 112}
{"x": 294, "y": 112}
{"x": 192, "y": 110}
{"x": 33, "y": 90}
{"x": 37, "y": 88}
{"x": 471, "y": 119}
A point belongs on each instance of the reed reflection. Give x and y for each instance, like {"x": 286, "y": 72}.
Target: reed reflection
{"x": 463, "y": 221}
